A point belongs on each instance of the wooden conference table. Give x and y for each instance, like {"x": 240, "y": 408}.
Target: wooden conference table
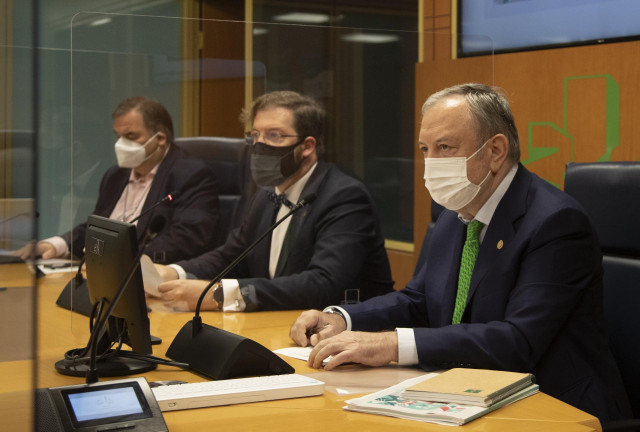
{"x": 59, "y": 330}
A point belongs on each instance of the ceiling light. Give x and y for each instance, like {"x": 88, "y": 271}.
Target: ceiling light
{"x": 303, "y": 17}
{"x": 99, "y": 22}
{"x": 376, "y": 38}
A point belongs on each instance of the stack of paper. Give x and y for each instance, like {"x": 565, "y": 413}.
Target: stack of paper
{"x": 479, "y": 387}
{"x": 391, "y": 402}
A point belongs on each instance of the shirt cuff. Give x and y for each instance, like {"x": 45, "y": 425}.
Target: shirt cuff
{"x": 344, "y": 313}
{"x": 233, "y": 301}
{"x": 407, "y": 349}
{"x": 61, "y": 247}
{"x": 181, "y": 273}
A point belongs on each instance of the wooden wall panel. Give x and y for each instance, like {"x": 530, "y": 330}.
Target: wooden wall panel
{"x": 402, "y": 266}
{"x": 222, "y": 88}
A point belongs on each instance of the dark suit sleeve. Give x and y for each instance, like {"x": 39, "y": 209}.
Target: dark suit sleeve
{"x": 518, "y": 309}
{"x": 111, "y": 187}
{"x": 338, "y": 241}
{"x": 210, "y": 263}
{"x": 191, "y": 221}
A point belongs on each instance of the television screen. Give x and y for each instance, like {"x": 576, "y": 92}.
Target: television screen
{"x": 486, "y": 26}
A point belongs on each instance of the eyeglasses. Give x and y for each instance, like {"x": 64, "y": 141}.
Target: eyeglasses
{"x": 270, "y": 137}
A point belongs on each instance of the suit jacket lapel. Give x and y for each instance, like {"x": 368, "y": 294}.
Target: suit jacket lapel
{"x": 262, "y": 219}
{"x": 158, "y": 189}
{"x": 501, "y": 228}
{"x": 312, "y": 186}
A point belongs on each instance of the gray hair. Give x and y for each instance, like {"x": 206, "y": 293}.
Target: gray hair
{"x": 490, "y": 110}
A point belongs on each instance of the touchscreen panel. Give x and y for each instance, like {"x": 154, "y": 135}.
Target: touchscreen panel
{"x": 106, "y": 404}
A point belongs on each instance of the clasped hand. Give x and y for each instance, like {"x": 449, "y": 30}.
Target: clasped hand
{"x": 331, "y": 339}
{"x": 182, "y": 294}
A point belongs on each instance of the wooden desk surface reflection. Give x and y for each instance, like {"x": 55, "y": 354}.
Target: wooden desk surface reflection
{"x": 60, "y": 330}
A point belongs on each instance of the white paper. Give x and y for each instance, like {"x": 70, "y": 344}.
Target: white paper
{"x": 300, "y": 353}
{"x": 150, "y": 276}
{"x": 57, "y": 265}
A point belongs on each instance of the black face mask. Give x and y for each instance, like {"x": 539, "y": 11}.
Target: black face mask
{"x": 270, "y": 165}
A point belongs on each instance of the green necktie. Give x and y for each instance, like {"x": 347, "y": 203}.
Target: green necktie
{"x": 468, "y": 261}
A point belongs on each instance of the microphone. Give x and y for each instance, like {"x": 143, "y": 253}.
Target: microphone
{"x": 79, "y": 301}
{"x": 219, "y": 354}
{"x": 169, "y": 197}
{"x": 155, "y": 226}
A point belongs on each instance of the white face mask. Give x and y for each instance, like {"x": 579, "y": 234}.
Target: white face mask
{"x": 447, "y": 182}
{"x": 131, "y": 154}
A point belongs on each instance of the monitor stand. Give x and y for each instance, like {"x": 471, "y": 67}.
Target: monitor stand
{"x": 113, "y": 365}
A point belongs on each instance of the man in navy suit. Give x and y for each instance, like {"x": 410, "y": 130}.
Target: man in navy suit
{"x": 534, "y": 299}
{"x": 330, "y": 246}
{"x": 150, "y": 167}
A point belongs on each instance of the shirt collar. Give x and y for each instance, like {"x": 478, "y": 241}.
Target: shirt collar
{"x": 293, "y": 192}
{"x": 487, "y": 210}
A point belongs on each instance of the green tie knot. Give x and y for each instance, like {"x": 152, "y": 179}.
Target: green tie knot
{"x": 473, "y": 230}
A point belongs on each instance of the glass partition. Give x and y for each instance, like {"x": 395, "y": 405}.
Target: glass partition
{"x": 18, "y": 180}
{"x": 364, "y": 77}
{"x": 206, "y": 71}
{"x": 359, "y": 63}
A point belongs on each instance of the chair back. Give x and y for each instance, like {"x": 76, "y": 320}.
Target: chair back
{"x": 610, "y": 194}
{"x": 228, "y": 158}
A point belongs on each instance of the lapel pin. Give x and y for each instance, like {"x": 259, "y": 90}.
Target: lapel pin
{"x": 500, "y": 244}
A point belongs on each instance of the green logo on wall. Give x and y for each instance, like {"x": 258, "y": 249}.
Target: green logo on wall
{"x": 538, "y": 151}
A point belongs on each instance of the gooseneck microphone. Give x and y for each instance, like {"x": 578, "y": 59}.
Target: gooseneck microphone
{"x": 155, "y": 226}
{"x": 303, "y": 202}
{"x": 169, "y": 197}
{"x": 219, "y": 354}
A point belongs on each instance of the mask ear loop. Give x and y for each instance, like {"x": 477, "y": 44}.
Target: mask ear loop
{"x": 479, "y": 148}
{"x": 475, "y": 153}
{"x": 145, "y": 145}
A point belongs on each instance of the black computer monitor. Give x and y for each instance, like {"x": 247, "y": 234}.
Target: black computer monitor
{"x": 111, "y": 247}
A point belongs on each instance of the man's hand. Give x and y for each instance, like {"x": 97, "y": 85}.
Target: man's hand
{"x": 183, "y": 295}
{"x": 166, "y": 273}
{"x": 42, "y": 249}
{"x": 312, "y": 326}
{"x": 371, "y": 349}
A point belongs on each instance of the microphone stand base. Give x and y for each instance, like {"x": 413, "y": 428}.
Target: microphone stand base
{"x": 76, "y": 298}
{"x": 112, "y": 366}
{"x": 219, "y": 354}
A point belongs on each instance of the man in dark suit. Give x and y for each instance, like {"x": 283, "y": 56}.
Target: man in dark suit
{"x": 332, "y": 245}
{"x": 530, "y": 300}
{"x": 150, "y": 167}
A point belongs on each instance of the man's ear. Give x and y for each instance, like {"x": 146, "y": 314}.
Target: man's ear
{"x": 162, "y": 139}
{"x": 499, "y": 149}
{"x": 308, "y": 146}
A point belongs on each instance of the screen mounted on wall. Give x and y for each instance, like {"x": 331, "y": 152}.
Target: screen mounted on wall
{"x": 499, "y": 26}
